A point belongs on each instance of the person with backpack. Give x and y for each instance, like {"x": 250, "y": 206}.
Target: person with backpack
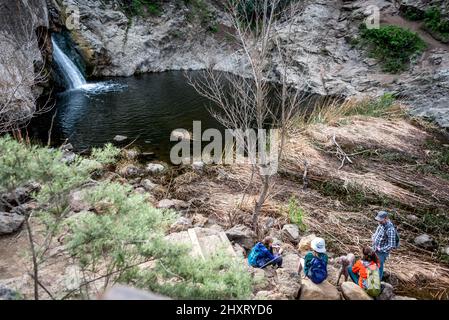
{"x": 262, "y": 255}
{"x": 385, "y": 239}
{"x": 365, "y": 272}
{"x": 315, "y": 261}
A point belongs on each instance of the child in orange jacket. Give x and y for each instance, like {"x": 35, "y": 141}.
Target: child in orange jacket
{"x": 358, "y": 272}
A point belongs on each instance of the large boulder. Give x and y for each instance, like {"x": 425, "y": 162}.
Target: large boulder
{"x": 288, "y": 282}
{"x": 242, "y": 235}
{"x": 290, "y": 261}
{"x": 387, "y": 292}
{"x": 290, "y": 232}
{"x": 426, "y": 242}
{"x": 261, "y": 281}
{"x": 304, "y": 243}
{"x": 352, "y": 291}
{"x": 322, "y": 291}
{"x": 10, "y": 222}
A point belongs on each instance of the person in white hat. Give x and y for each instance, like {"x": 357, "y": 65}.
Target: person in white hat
{"x": 315, "y": 261}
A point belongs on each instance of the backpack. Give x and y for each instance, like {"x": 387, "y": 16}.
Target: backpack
{"x": 253, "y": 255}
{"x": 372, "y": 283}
{"x": 318, "y": 270}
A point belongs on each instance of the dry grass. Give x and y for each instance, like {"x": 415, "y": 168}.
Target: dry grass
{"x": 332, "y": 111}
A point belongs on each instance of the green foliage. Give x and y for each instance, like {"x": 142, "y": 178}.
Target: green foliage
{"x": 393, "y": 46}
{"x": 141, "y": 7}
{"x": 296, "y": 214}
{"x": 434, "y": 21}
{"x": 413, "y": 14}
{"x": 106, "y": 155}
{"x": 131, "y": 232}
{"x": 200, "y": 10}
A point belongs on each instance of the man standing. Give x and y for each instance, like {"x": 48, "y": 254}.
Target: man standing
{"x": 384, "y": 239}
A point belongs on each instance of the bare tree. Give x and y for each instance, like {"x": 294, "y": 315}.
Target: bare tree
{"x": 264, "y": 96}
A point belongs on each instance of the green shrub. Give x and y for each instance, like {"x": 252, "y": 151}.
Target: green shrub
{"x": 141, "y": 7}
{"x": 413, "y": 14}
{"x": 131, "y": 232}
{"x": 296, "y": 214}
{"x": 435, "y": 22}
{"x": 393, "y": 46}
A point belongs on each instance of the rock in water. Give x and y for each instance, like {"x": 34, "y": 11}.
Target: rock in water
{"x": 352, "y": 291}
{"x": 426, "y": 242}
{"x": 290, "y": 232}
{"x": 120, "y": 138}
{"x": 322, "y": 291}
{"x": 242, "y": 235}
{"x": 10, "y": 222}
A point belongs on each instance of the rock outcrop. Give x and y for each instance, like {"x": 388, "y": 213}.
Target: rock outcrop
{"x": 322, "y": 57}
{"x": 24, "y": 49}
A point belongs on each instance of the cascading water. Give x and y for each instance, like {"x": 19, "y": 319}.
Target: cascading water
{"x": 75, "y": 79}
{"x": 70, "y": 72}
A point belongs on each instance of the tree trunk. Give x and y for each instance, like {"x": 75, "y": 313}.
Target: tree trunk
{"x": 35, "y": 266}
{"x": 260, "y": 202}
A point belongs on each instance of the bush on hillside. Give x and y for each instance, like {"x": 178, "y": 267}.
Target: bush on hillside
{"x": 393, "y": 46}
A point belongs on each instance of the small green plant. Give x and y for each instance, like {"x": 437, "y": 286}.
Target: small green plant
{"x": 141, "y": 7}
{"x": 393, "y": 46}
{"x": 296, "y": 214}
{"x": 434, "y": 21}
{"x": 413, "y": 14}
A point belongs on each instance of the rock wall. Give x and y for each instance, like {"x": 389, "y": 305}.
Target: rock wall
{"x": 322, "y": 57}
{"x": 23, "y": 37}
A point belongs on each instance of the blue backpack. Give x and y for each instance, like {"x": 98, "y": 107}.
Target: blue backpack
{"x": 318, "y": 270}
{"x": 254, "y": 255}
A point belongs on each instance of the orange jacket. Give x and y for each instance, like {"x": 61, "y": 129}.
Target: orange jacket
{"x": 359, "y": 268}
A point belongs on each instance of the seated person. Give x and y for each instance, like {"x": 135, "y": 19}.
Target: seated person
{"x": 359, "y": 271}
{"x": 315, "y": 261}
{"x": 262, "y": 254}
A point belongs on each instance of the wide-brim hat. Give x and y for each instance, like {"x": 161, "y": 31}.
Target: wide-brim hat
{"x": 318, "y": 245}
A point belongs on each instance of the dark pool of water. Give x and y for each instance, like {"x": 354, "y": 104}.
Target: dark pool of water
{"x": 147, "y": 109}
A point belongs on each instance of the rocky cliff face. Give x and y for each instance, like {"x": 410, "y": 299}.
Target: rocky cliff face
{"x": 23, "y": 46}
{"x": 322, "y": 56}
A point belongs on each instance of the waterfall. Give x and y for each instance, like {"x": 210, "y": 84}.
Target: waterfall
{"x": 70, "y": 72}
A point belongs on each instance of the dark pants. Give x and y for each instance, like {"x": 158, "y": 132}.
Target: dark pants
{"x": 277, "y": 261}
